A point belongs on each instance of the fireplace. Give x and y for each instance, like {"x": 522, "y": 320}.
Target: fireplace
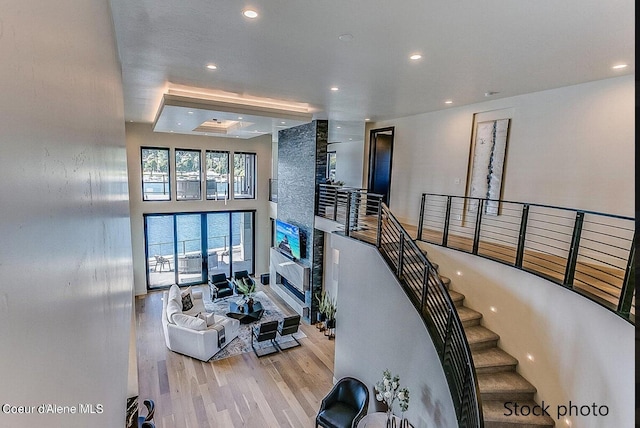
{"x": 290, "y": 280}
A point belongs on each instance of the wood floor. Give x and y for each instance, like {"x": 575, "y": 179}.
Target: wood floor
{"x": 281, "y": 390}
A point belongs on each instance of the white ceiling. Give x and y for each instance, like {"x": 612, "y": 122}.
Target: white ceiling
{"x": 292, "y": 51}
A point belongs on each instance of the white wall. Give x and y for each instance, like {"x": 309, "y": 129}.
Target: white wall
{"x": 141, "y": 134}
{"x": 581, "y": 352}
{"x": 348, "y": 162}
{"x": 65, "y": 252}
{"x": 570, "y": 147}
{"x": 378, "y": 328}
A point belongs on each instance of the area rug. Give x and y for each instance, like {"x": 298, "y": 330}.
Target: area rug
{"x": 242, "y": 343}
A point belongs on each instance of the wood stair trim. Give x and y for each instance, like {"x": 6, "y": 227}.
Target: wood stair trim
{"x": 493, "y": 412}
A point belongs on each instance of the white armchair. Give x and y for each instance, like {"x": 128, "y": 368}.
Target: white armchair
{"x": 194, "y": 338}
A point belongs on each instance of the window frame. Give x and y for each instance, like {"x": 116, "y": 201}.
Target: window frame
{"x": 228, "y": 175}
{"x": 254, "y": 174}
{"x": 168, "y": 181}
{"x": 175, "y": 162}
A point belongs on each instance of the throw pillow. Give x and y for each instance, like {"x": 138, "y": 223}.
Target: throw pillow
{"x": 208, "y": 318}
{"x": 187, "y": 301}
{"x": 188, "y": 321}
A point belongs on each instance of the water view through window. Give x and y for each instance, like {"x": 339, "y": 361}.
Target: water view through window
{"x": 176, "y": 243}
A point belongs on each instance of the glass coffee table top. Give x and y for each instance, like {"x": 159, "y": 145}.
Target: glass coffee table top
{"x": 243, "y": 313}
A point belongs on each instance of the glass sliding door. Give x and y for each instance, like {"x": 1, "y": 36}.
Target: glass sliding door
{"x": 189, "y": 248}
{"x": 242, "y": 241}
{"x": 160, "y": 250}
{"x": 218, "y": 243}
{"x": 176, "y": 244}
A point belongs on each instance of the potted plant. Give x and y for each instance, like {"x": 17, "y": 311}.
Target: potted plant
{"x": 248, "y": 288}
{"x": 330, "y": 313}
{"x": 321, "y": 315}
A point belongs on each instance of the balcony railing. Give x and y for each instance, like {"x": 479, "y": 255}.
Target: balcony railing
{"x": 365, "y": 217}
{"x": 588, "y": 252}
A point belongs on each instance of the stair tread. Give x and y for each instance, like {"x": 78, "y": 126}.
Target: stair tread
{"x": 478, "y": 333}
{"x": 445, "y": 280}
{"x": 492, "y": 357}
{"x": 493, "y": 412}
{"x": 455, "y": 296}
{"x": 504, "y": 382}
{"x": 466, "y": 313}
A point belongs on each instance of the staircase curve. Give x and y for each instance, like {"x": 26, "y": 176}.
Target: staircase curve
{"x": 482, "y": 378}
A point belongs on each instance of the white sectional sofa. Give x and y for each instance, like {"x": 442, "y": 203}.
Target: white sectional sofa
{"x": 185, "y": 332}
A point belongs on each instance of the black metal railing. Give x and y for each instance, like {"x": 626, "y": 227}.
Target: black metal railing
{"x": 364, "y": 216}
{"x": 588, "y": 252}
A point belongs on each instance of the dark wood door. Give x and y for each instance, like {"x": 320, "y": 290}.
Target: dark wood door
{"x": 380, "y": 161}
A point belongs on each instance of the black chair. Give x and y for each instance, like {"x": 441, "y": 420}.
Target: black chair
{"x": 265, "y": 331}
{"x": 219, "y": 286}
{"x": 289, "y": 326}
{"x": 146, "y": 421}
{"x": 345, "y": 405}
{"x": 241, "y": 275}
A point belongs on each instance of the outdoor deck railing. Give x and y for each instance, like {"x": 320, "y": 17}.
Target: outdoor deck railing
{"x": 588, "y": 252}
{"x": 365, "y": 217}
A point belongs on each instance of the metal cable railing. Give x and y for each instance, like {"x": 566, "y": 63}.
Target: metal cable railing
{"x": 588, "y": 252}
{"x": 365, "y": 217}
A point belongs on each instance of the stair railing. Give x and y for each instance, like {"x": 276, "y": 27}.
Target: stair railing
{"x": 365, "y": 217}
{"x": 587, "y": 252}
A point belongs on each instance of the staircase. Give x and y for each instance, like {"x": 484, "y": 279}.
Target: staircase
{"x": 482, "y": 377}
{"x": 498, "y": 379}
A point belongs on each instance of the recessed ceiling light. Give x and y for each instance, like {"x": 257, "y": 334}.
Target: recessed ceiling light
{"x": 346, "y": 37}
{"x": 491, "y": 93}
{"x": 448, "y": 102}
{"x": 239, "y": 117}
{"x": 415, "y": 56}
{"x": 619, "y": 66}
{"x": 179, "y": 123}
{"x": 190, "y": 112}
{"x": 212, "y": 66}
{"x": 335, "y": 88}
{"x": 282, "y": 123}
{"x": 367, "y": 119}
{"x": 250, "y": 13}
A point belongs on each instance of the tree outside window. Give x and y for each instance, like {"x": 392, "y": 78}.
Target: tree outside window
{"x": 188, "y": 175}
{"x": 155, "y": 174}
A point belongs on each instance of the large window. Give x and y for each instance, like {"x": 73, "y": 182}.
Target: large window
{"x": 155, "y": 174}
{"x": 188, "y": 177}
{"x": 217, "y": 168}
{"x": 244, "y": 175}
{"x": 186, "y": 248}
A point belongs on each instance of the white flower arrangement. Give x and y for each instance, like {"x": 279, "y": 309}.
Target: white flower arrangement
{"x": 388, "y": 389}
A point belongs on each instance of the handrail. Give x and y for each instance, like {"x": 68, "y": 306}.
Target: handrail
{"x": 588, "y": 252}
{"x": 365, "y": 217}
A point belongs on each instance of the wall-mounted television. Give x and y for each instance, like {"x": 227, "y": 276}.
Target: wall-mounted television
{"x": 288, "y": 240}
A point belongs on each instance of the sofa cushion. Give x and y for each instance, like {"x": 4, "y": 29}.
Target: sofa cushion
{"x": 209, "y": 318}
{"x": 188, "y": 321}
{"x": 187, "y": 300}
{"x": 174, "y": 294}
{"x": 173, "y": 307}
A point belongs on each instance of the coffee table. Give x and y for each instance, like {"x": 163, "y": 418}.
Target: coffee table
{"x": 242, "y": 313}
